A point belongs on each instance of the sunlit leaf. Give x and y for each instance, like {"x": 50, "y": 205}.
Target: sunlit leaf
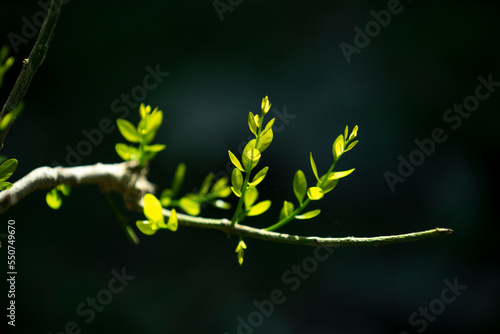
{"x": 146, "y": 227}
{"x": 5, "y": 185}
{"x": 128, "y": 131}
{"x": 313, "y": 166}
{"x": 328, "y": 185}
{"x": 154, "y": 148}
{"x": 7, "y": 169}
{"x": 251, "y": 196}
{"x": 220, "y": 204}
{"x": 189, "y": 206}
{"x": 53, "y": 199}
{"x": 351, "y": 145}
{"x": 178, "y": 179}
{"x": 235, "y": 161}
{"x": 338, "y": 147}
{"x": 339, "y": 175}
{"x": 11, "y": 116}
{"x": 126, "y": 152}
{"x": 172, "y": 224}
{"x": 251, "y": 123}
{"x": 309, "y": 215}
{"x": 259, "y": 177}
{"x": 300, "y": 185}
{"x": 205, "y": 185}
{"x": 65, "y": 189}
{"x": 265, "y": 140}
{"x": 315, "y": 193}
{"x": 259, "y": 208}
{"x": 287, "y": 209}
{"x": 237, "y": 182}
{"x": 268, "y": 126}
{"x": 250, "y": 156}
{"x": 152, "y": 208}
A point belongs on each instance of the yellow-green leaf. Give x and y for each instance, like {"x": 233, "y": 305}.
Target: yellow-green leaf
{"x": 351, "y": 145}
{"x": 126, "y": 152}
{"x": 189, "y": 206}
{"x": 251, "y": 123}
{"x": 235, "y": 161}
{"x": 251, "y": 195}
{"x": 328, "y": 185}
{"x": 259, "y": 177}
{"x": 315, "y": 193}
{"x": 268, "y": 126}
{"x": 265, "y": 140}
{"x": 128, "y": 131}
{"x": 172, "y": 221}
{"x": 154, "y": 148}
{"x": 5, "y": 185}
{"x": 259, "y": 208}
{"x": 180, "y": 173}
{"x": 65, "y": 189}
{"x": 313, "y": 166}
{"x": 286, "y": 210}
{"x": 309, "y": 215}
{"x": 53, "y": 199}
{"x": 146, "y": 227}
{"x": 339, "y": 175}
{"x": 338, "y": 147}
{"x": 300, "y": 185}
{"x": 152, "y": 208}
{"x": 251, "y": 156}
{"x": 237, "y": 182}
{"x": 7, "y": 169}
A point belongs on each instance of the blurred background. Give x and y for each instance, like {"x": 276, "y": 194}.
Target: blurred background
{"x": 396, "y": 84}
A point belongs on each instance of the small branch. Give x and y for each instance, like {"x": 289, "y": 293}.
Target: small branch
{"x": 247, "y": 231}
{"x": 32, "y": 63}
{"x": 125, "y": 179}
{"x": 122, "y": 178}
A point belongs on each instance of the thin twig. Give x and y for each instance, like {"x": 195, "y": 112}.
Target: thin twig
{"x": 116, "y": 177}
{"x": 32, "y": 63}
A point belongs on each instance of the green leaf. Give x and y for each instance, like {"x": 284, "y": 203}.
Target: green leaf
{"x": 173, "y": 223}
{"x": 53, "y": 199}
{"x": 237, "y": 182}
{"x": 259, "y": 208}
{"x": 286, "y": 210}
{"x": 179, "y": 174}
{"x": 7, "y": 169}
{"x": 300, "y": 185}
{"x": 5, "y": 185}
{"x": 205, "y": 185}
{"x": 220, "y": 204}
{"x": 11, "y": 116}
{"x": 166, "y": 197}
{"x": 351, "y": 145}
{"x": 250, "y": 155}
{"x": 251, "y": 123}
{"x": 313, "y": 166}
{"x": 128, "y": 131}
{"x": 259, "y": 177}
{"x": 265, "y": 140}
{"x": 65, "y": 189}
{"x": 153, "y": 124}
{"x": 189, "y": 206}
{"x": 126, "y": 152}
{"x": 268, "y": 126}
{"x": 146, "y": 227}
{"x": 235, "y": 161}
{"x": 251, "y": 196}
{"x": 152, "y": 209}
{"x": 220, "y": 188}
{"x": 309, "y": 215}
{"x": 338, "y": 147}
{"x": 339, "y": 175}
{"x": 315, "y": 193}
{"x": 154, "y": 148}
{"x": 328, "y": 185}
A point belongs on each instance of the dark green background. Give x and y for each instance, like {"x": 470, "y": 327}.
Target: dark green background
{"x": 397, "y": 90}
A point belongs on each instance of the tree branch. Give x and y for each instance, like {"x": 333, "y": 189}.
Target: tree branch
{"x": 31, "y": 64}
{"x": 130, "y": 181}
